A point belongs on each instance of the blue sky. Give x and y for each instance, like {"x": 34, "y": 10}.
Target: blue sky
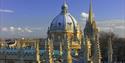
{"x": 39, "y": 13}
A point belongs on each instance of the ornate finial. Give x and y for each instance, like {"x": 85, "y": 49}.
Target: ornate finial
{"x": 64, "y": 7}
{"x": 90, "y": 12}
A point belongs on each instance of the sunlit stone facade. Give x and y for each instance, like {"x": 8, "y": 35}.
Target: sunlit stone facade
{"x": 65, "y": 37}
{"x": 65, "y": 32}
{"x": 64, "y": 25}
{"x": 91, "y": 45}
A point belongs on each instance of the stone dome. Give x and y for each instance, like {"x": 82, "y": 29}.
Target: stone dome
{"x": 64, "y": 22}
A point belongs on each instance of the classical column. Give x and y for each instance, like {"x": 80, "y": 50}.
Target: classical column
{"x": 37, "y": 51}
{"x": 61, "y": 51}
{"x": 49, "y": 51}
{"x": 67, "y": 50}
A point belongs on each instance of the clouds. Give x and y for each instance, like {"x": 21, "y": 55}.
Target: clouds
{"x": 15, "y": 29}
{"x": 84, "y": 15}
{"x": 6, "y": 11}
{"x": 19, "y": 32}
{"x": 4, "y": 29}
{"x": 115, "y": 25}
{"x": 120, "y": 27}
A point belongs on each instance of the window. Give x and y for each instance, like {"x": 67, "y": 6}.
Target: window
{"x": 59, "y": 24}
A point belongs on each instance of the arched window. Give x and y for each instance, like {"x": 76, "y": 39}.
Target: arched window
{"x": 59, "y": 24}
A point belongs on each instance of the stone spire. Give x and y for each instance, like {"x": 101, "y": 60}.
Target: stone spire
{"x": 90, "y": 18}
{"x": 91, "y": 33}
{"x": 90, "y": 26}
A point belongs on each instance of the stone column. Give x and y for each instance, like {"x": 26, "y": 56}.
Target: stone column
{"x": 37, "y": 51}
{"x": 61, "y": 51}
{"x": 67, "y": 50}
{"x": 49, "y": 52}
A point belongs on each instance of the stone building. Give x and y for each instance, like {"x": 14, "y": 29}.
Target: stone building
{"x": 65, "y": 37}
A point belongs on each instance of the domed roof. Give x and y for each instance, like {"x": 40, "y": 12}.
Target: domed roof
{"x": 64, "y": 22}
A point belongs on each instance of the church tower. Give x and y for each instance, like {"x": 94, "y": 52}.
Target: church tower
{"x": 91, "y": 40}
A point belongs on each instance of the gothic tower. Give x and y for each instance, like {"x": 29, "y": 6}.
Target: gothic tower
{"x": 91, "y": 40}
